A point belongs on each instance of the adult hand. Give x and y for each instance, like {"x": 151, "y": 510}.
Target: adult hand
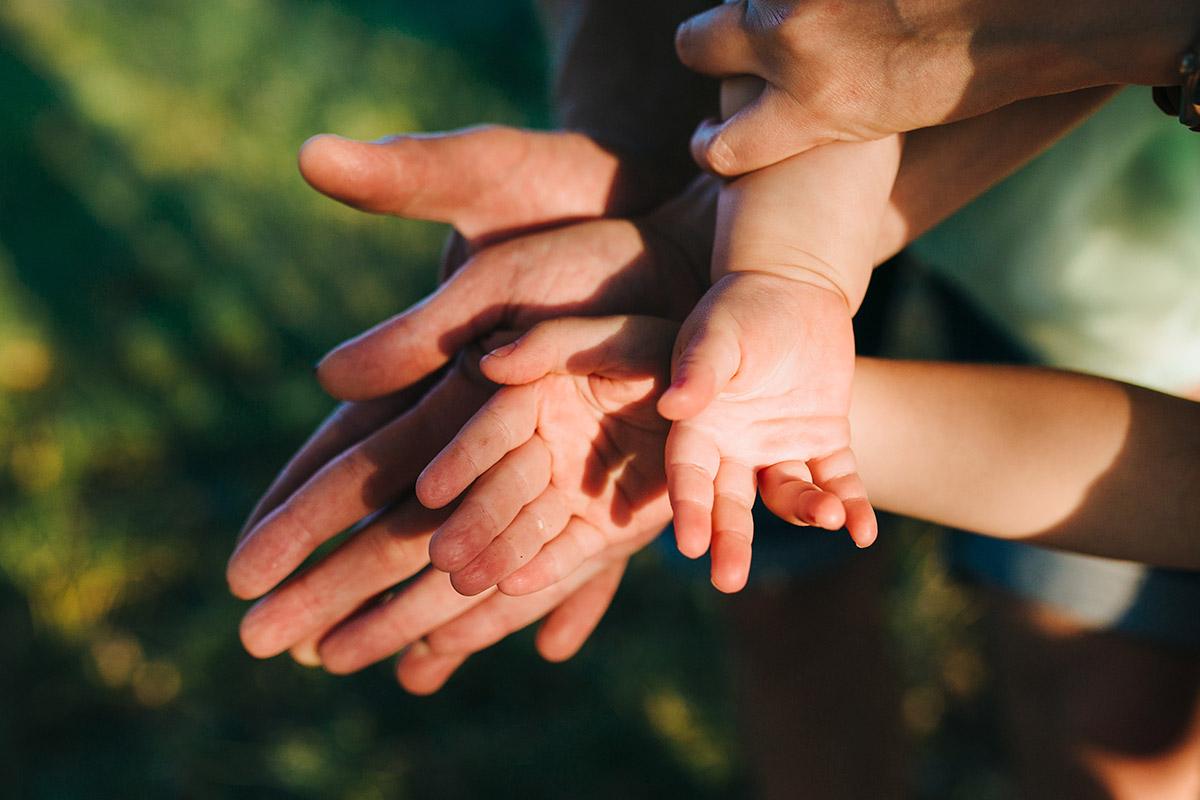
{"x": 490, "y": 183}
{"x": 839, "y": 71}
{"x": 366, "y": 457}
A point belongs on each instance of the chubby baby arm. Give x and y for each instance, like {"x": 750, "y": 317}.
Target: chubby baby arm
{"x": 1056, "y": 458}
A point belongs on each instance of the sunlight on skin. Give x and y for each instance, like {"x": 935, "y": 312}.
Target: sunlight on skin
{"x": 883, "y": 437}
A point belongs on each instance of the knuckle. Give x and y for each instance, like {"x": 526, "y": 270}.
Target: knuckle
{"x": 737, "y": 499}
{"x": 303, "y": 533}
{"x": 734, "y": 532}
{"x": 500, "y": 428}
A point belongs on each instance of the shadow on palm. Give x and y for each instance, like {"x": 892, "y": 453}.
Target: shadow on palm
{"x": 360, "y": 470}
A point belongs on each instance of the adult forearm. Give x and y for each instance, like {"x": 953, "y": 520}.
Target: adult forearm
{"x": 1027, "y": 48}
{"x": 944, "y": 168}
{"x": 1056, "y": 458}
{"x": 616, "y": 77}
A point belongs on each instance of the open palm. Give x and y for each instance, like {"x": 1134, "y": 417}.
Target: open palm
{"x": 762, "y": 376}
{"x": 563, "y": 464}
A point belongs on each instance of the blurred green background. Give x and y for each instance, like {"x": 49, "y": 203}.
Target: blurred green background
{"x": 166, "y": 281}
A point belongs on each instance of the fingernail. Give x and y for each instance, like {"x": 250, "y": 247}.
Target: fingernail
{"x": 419, "y": 649}
{"x": 501, "y": 352}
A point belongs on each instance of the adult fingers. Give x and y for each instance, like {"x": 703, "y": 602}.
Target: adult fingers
{"x": 503, "y": 424}
{"x": 487, "y": 181}
{"x": 612, "y": 346}
{"x": 405, "y": 348}
{"x": 423, "y": 672}
{"x": 491, "y": 506}
{"x": 349, "y": 424}
{"x": 766, "y": 131}
{"x": 363, "y": 479}
{"x": 390, "y": 549}
{"x": 567, "y": 627}
{"x": 717, "y": 44}
{"x": 421, "y": 606}
{"x": 733, "y": 526}
{"x": 493, "y": 620}
{"x": 838, "y": 473}
{"x": 428, "y": 664}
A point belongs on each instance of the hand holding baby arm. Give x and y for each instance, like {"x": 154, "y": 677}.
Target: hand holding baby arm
{"x": 763, "y": 367}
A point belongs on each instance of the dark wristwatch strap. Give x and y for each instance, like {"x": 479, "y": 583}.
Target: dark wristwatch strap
{"x": 1183, "y": 101}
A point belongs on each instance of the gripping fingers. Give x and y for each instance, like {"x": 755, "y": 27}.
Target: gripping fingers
{"x": 506, "y": 422}
{"x": 491, "y": 506}
{"x": 732, "y": 526}
{"x": 738, "y": 145}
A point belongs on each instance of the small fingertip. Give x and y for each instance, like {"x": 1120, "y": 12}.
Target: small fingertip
{"x": 520, "y": 584}
{"x": 728, "y": 588}
{"x": 691, "y": 545}
{"x": 499, "y": 368}
{"x": 306, "y": 655}
{"x": 864, "y": 540}
{"x": 470, "y": 581}
{"x": 555, "y": 648}
{"x": 831, "y": 519}
{"x": 408, "y": 674}
{"x": 728, "y": 581}
{"x": 328, "y": 372}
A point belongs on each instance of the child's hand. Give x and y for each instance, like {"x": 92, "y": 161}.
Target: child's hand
{"x": 762, "y": 376}
{"x": 564, "y": 462}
